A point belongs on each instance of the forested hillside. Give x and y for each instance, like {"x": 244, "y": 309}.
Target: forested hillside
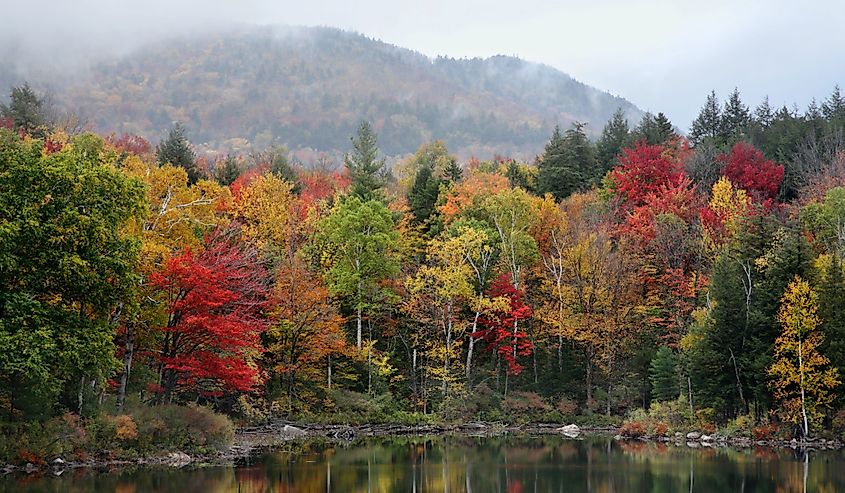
{"x": 308, "y": 88}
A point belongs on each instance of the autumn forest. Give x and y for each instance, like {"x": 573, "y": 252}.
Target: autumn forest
{"x": 647, "y": 278}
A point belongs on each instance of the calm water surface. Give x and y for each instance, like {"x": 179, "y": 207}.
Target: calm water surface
{"x": 469, "y": 464}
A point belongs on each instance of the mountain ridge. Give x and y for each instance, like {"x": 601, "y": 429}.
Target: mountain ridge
{"x": 309, "y": 87}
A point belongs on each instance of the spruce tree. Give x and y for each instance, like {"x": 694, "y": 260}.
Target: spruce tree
{"x": 567, "y": 164}
{"x": 834, "y": 110}
{"x": 654, "y": 129}
{"x": 27, "y": 110}
{"x": 227, "y": 171}
{"x": 764, "y": 114}
{"x": 176, "y": 150}
{"x": 735, "y": 118}
{"x": 422, "y": 197}
{"x": 615, "y": 136}
{"x": 663, "y": 375}
{"x": 366, "y": 170}
{"x": 708, "y": 123}
{"x": 832, "y": 313}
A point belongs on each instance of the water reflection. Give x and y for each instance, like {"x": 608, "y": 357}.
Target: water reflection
{"x": 454, "y": 464}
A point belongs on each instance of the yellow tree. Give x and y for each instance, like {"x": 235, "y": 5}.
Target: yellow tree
{"x": 594, "y": 295}
{"x": 801, "y": 377}
{"x": 263, "y": 208}
{"x": 440, "y": 289}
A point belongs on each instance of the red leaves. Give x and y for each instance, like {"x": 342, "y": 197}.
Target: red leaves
{"x": 244, "y": 179}
{"x": 215, "y": 299}
{"x": 500, "y": 328}
{"x": 131, "y": 144}
{"x": 645, "y": 170}
{"x": 746, "y": 168}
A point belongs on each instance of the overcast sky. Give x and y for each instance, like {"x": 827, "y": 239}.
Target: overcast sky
{"x": 662, "y": 55}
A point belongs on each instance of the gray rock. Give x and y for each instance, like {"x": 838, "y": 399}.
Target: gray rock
{"x": 292, "y": 431}
{"x": 706, "y": 438}
{"x": 693, "y": 435}
{"x": 570, "y": 430}
{"x": 178, "y": 459}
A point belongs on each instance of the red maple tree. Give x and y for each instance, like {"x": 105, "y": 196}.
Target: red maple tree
{"x": 131, "y": 144}
{"x": 746, "y": 168}
{"x": 645, "y": 170}
{"x": 215, "y": 301}
{"x": 500, "y": 329}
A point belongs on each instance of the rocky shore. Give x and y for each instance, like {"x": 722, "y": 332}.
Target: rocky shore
{"x": 249, "y": 440}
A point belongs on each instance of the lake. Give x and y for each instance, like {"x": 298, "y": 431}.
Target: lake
{"x": 508, "y": 464}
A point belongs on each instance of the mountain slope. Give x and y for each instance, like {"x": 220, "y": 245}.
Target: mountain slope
{"x": 309, "y": 88}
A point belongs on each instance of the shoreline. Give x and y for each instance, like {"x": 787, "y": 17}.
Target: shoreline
{"x": 249, "y": 440}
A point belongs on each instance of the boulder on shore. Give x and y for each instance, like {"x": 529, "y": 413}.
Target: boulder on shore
{"x": 693, "y": 435}
{"x": 570, "y": 430}
{"x": 178, "y": 459}
{"x": 292, "y": 431}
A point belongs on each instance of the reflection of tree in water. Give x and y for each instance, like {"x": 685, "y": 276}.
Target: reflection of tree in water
{"x": 456, "y": 464}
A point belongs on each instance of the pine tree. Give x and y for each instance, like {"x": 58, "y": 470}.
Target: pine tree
{"x": 366, "y": 171}
{"x": 27, "y": 110}
{"x": 453, "y": 172}
{"x": 227, "y": 171}
{"x": 615, "y": 136}
{"x": 567, "y": 164}
{"x": 832, "y": 313}
{"x": 663, "y": 375}
{"x": 176, "y": 150}
{"x": 735, "y": 118}
{"x": 422, "y": 197}
{"x": 708, "y": 123}
{"x": 833, "y": 108}
{"x": 764, "y": 114}
{"x": 277, "y": 158}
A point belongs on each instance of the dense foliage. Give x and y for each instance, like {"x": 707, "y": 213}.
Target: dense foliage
{"x": 610, "y": 276}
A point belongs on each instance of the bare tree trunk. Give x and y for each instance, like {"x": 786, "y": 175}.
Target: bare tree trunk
{"x": 129, "y": 349}
{"x": 81, "y": 392}
{"x": 689, "y": 388}
{"x": 329, "y": 371}
{"x": 471, "y": 347}
{"x": 801, "y": 374}
{"x": 738, "y": 382}
{"x": 359, "y": 328}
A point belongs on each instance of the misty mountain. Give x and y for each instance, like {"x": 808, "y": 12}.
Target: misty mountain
{"x": 308, "y": 88}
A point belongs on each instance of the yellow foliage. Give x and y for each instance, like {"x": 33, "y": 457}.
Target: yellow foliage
{"x": 801, "y": 377}
{"x": 263, "y": 208}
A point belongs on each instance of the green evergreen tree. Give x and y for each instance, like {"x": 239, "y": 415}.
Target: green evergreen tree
{"x": 615, "y": 136}
{"x": 764, "y": 115}
{"x": 708, "y": 123}
{"x": 454, "y": 173}
{"x": 654, "y": 129}
{"x": 832, "y": 313}
{"x": 833, "y": 109}
{"x": 422, "y": 197}
{"x": 176, "y": 150}
{"x": 567, "y": 164}
{"x": 227, "y": 170}
{"x": 663, "y": 375}
{"x": 27, "y": 110}
{"x": 736, "y": 118}
{"x": 366, "y": 170}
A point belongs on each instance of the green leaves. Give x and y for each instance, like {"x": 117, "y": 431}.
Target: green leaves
{"x": 358, "y": 248}
{"x": 64, "y": 263}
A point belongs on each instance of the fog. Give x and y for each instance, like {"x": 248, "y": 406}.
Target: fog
{"x": 662, "y": 55}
